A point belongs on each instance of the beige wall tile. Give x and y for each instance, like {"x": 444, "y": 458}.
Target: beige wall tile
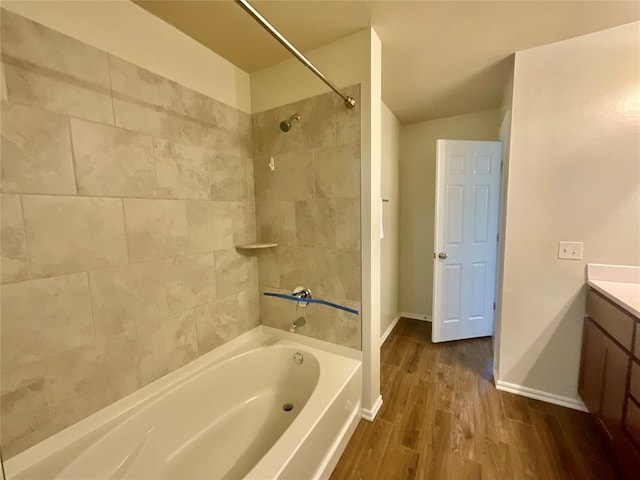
{"x": 292, "y": 179}
{"x": 337, "y": 172}
{"x": 268, "y": 268}
{"x": 218, "y": 322}
{"x": 316, "y": 223}
{"x": 36, "y": 44}
{"x": 277, "y": 222}
{"x": 36, "y": 151}
{"x": 156, "y": 229}
{"x": 302, "y": 265}
{"x": 250, "y": 178}
{"x": 348, "y": 120}
{"x": 228, "y": 177}
{"x": 211, "y": 225}
{"x": 13, "y": 246}
{"x": 320, "y": 323}
{"x": 191, "y": 281}
{"x": 127, "y": 296}
{"x": 234, "y": 272}
{"x": 348, "y": 229}
{"x": 249, "y": 308}
{"x": 244, "y": 222}
{"x": 111, "y": 161}
{"x": 276, "y": 312}
{"x": 25, "y": 410}
{"x": 3, "y": 83}
{"x": 163, "y": 123}
{"x": 72, "y": 234}
{"x": 341, "y": 274}
{"x": 86, "y": 379}
{"x": 348, "y": 326}
{"x": 131, "y": 82}
{"x": 144, "y": 119}
{"x": 43, "y": 317}
{"x": 31, "y": 85}
{"x": 314, "y": 130}
{"x": 164, "y": 347}
{"x": 182, "y": 170}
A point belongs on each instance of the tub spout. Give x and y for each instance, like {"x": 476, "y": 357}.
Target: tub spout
{"x": 300, "y": 321}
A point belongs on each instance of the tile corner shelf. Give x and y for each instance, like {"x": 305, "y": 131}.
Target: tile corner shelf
{"x": 256, "y": 246}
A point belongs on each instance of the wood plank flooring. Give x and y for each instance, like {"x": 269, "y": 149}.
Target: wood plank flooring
{"x": 443, "y": 419}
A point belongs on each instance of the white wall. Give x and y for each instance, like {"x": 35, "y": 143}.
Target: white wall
{"x": 390, "y": 253}
{"x": 417, "y": 198}
{"x": 126, "y": 30}
{"x": 505, "y": 137}
{"x": 574, "y": 174}
{"x": 347, "y": 61}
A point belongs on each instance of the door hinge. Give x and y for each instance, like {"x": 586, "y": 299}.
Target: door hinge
{"x": 494, "y": 305}
{"x": 501, "y": 164}
{"x": 498, "y": 237}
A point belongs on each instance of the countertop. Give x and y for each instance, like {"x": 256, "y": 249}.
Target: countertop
{"x": 620, "y": 284}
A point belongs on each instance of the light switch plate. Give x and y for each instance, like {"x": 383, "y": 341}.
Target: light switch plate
{"x": 570, "y": 250}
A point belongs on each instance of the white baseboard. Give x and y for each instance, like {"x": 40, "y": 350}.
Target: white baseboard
{"x": 416, "y": 316}
{"x": 541, "y": 395}
{"x": 387, "y": 332}
{"x": 371, "y": 414}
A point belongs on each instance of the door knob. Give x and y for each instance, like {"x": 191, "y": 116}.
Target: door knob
{"x": 442, "y": 255}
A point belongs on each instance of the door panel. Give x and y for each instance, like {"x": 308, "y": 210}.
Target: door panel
{"x": 467, "y": 203}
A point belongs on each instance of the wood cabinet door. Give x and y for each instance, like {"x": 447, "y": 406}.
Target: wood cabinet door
{"x": 616, "y": 367}
{"x": 592, "y": 366}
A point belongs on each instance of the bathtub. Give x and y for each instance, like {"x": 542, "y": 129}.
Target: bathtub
{"x": 260, "y": 407}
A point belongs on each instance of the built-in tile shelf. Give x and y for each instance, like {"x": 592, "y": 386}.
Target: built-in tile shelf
{"x": 256, "y": 246}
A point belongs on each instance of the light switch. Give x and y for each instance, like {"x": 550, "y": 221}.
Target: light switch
{"x": 570, "y": 250}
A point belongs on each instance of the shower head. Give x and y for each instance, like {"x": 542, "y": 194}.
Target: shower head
{"x": 285, "y": 125}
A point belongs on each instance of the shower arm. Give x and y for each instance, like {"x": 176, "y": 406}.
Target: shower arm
{"x": 348, "y": 101}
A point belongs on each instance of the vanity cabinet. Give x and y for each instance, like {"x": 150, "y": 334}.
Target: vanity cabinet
{"x": 609, "y": 381}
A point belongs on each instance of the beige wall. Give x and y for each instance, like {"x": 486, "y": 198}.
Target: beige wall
{"x": 310, "y": 206}
{"x": 123, "y": 195}
{"x": 131, "y": 33}
{"x": 344, "y": 62}
{"x": 389, "y": 248}
{"x": 417, "y": 198}
{"x": 574, "y": 174}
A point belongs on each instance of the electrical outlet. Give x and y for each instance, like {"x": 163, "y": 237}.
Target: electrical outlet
{"x": 570, "y": 250}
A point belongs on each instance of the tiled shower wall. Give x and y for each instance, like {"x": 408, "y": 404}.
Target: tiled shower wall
{"x": 310, "y": 206}
{"x": 123, "y": 195}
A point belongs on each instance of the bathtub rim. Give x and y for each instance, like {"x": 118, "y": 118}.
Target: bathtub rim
{"x": 109, "y": 417}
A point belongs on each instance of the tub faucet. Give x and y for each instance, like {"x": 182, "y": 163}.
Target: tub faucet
{"x": 299, "y": 322}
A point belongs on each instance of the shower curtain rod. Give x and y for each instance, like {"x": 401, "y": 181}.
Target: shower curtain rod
{"x": 348, "y": 101}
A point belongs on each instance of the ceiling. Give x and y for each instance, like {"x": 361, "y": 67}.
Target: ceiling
{"x": 438, "y": 58}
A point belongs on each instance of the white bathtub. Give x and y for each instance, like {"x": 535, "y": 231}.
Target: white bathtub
{"x": 219, "y": 417}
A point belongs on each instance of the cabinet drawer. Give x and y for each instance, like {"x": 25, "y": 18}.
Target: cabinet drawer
{"x": 632, "y": 421}
{"x": 637, "y": 348}
{"x": 613, "y": 320}
{"x": 634, "y": 385}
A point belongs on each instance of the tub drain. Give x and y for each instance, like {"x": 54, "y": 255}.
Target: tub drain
{"x": 287, "y": 407}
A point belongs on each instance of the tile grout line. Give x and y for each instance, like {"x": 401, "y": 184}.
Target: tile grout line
{"x": 91, "y": 310}
{"x": 113, "y": 105}
{"x": 26, "y": 240}
{"x": 126, "y": 232}
{"x": 73, "y": 159}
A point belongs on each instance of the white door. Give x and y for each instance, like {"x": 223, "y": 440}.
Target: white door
{"x": 466, "y": 238}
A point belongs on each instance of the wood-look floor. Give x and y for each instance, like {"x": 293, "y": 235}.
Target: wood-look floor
{"x": 443, "y": 419}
